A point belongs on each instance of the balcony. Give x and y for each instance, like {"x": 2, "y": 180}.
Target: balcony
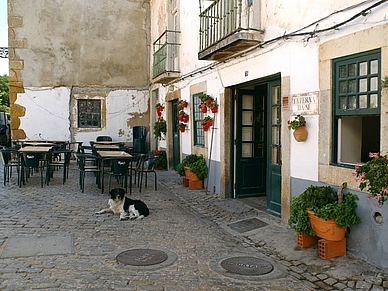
{"x": 228, "y": 27}
{"x": 165, "y": 66}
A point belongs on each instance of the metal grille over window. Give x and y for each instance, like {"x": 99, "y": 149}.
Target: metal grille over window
{"x": 89, "y": 113}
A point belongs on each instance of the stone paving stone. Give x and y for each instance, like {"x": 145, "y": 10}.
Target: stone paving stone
{"x": 190, "y": 224}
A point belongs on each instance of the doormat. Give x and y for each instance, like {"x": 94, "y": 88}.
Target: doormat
{"x": 247, "y": 225}
{"x": 29, "y": 246}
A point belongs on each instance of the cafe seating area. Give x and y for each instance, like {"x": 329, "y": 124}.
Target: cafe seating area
{"x": 49, "y": 161}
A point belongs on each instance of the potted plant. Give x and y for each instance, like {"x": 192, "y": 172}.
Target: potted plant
{"x": 182, "y": 116}
{"x": 208, "y": 121}
{"x": 160, "y": 127}
{"x": 202, "y": 106}
{"x": 194, "y": 168}
{"x": 161, "y": 161}
{"x": 373, "y": 177}
{"x": 205, "y": 126}
{"x": 337, "y": 209}
{"x": 182, "y": 104}
{"x": 207, "y": 99}
{"x": 214, "y": 106}
{"x": 159, "y": 108}
{"x": 181, "y": 126}
{"x": 298, "y": 124}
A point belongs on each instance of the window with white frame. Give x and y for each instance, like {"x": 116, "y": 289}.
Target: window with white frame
{"x": 356, "y": 107}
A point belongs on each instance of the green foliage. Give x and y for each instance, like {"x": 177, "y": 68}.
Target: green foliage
{"x": 200, "y": 168}
{"x": 160, "y": 127}
{"x": 373, "y": 177}
{"x": 323, "y": 202}
{"x": 297, "y": 122}
{"x": 4, "y": 93}
{"x": 196, "y": 163}
{"x": 161, "y": 160}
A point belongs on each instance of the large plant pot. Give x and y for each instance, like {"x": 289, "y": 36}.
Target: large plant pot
{"x": 300, "y": 134}
{"x": 326, "y": 229}
{"x": 190, "y": 175}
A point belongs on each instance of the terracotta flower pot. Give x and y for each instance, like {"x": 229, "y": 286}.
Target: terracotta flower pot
{"x": 214, "y": 109}
{"x": 190, "y": 175}
{"x": 159, "y": 113}
{"x": 209, "y": 122}
{"x": 300, "y": 134}
{"x": 204, "y": 109}
{"x": 326, "y": 229}
{"x": 185, "y": 119}
{"x": 205, "y": 128}
{"x": 182, "y": 129}
{"x": 208, "y": 102}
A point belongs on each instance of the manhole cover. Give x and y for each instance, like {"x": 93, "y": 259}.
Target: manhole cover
{"x": 248, "y": 266}
{"x": 141, "y": 257}
{"x": 247, "y": 225}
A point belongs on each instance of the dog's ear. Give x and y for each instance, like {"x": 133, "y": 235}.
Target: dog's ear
{"x": 113, "y": 194}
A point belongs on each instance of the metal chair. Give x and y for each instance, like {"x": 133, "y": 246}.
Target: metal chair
{"x": 84, "y": 168}
{"x": 10, "y": 160}
{"x": 147, "y": 166}
{"x": 120, "y": 171}
{"x": 104, "y": 138}
{"x": 31, "y": 162}
{"x": 59, "y": 158}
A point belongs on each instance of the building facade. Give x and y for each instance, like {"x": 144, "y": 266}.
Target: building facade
{"x": 264, "y": 62}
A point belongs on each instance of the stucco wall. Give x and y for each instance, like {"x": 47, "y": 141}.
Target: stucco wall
{"x": 59, "y": 47}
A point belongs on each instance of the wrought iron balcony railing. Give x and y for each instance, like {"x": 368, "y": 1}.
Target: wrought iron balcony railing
{"x": 165, "y": 64}
{"x": 233, "y": 19}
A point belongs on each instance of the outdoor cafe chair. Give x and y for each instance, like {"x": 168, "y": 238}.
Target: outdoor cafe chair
{"x": 30, "y": 162}
{"x": 104, "y": 138}
{"x": 10, "y": 161}
{"x": 147, "y": 166}
{"x": 84, "y": 168}
{"x": 59, "y": 158}
{"x": 120, "y": 170}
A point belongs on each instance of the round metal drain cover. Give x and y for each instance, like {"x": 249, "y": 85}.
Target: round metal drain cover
{"x": 248, "y": 266}
{"x": 142, "y": 257}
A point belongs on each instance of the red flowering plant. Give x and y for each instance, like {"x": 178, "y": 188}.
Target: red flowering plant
{"x": 297, "y": 122}
{"x": 373, "y": 177}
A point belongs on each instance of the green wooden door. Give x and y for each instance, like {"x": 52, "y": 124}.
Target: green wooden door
{"x": 274, "y": 162}
{"x": 250, "y": 142}
{"x": 175, "y": 133}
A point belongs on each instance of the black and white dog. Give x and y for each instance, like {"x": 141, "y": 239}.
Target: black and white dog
{"x": 127, "y": 208}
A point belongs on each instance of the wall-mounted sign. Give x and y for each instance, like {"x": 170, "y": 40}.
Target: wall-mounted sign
{"x": 306, "y": 103}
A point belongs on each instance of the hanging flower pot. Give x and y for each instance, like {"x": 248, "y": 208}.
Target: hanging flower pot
{"x": 205, "y": 127}
{"x": 204, "y": 110}
{"x": 214, "y": 109}
{"x": 300, "y": 134}
{"x": 159, "y": 113}
{"x": 208, "y": 102}
{"x": 185, "y": 119}
{"x": 181, "y": 127}
{"x": 209, "y": 122}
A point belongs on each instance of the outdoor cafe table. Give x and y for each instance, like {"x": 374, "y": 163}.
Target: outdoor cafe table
{"x": 38, "y": 144}
{"x": 35, "y": 149}
{"x": 109, "y": 155}
{"x": 106, "y": 147}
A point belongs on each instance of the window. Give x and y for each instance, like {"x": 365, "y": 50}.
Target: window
{"x": 199, "y": 134}
{"x": 89, "y": 113}
{"x": 356, "y": 107}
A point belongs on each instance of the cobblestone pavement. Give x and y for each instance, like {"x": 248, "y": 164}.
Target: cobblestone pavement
{"x": 192, "y": 227}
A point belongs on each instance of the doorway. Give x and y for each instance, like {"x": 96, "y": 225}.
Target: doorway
{"x": 257, "y": 148}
